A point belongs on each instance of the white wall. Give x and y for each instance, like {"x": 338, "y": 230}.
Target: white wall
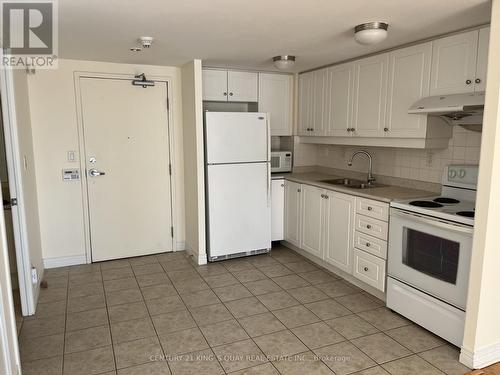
{"x": 55, "y": 132}
{"x": 482, "y": 329}
{"x": 192, "y": 106}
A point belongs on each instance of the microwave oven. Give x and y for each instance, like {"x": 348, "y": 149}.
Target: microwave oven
{"x": 281, "y": 161}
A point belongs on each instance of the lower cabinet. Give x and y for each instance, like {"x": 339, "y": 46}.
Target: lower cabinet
{"x": 292, "y": 212}
{"x": 312, "y": 220}
{"x": 335, "y": 227}
{"x": 277, "y": 209}
{"x": 339, "y": 230}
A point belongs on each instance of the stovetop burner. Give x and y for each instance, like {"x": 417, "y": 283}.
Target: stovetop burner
{"x": 428, "y": 204}
{"x": 446, "y": 200}
{"x": 466, "y": 213}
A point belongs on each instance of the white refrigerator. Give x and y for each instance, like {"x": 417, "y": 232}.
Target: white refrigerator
{"x": 238, "y": 184}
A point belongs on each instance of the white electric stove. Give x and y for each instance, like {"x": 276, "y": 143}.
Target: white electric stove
{"x": 430, "y": 246}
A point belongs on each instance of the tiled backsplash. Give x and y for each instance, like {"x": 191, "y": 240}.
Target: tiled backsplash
{"x": 414, "y": 164}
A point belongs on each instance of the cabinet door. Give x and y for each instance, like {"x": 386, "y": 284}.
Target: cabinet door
{"x": 320, "y": 78}
{"x": 312, "y": 214}
{"x": 242, "y": 86}
{"x": 409, "y": 79}
{"x": 215, "y": 85}
{"x": 454, "y": 64}
{"x": 339, "y": 230}
{"x": 277, "y": 210}
{"x": 370, "y": 96}
{"x": 482, "y": 59}
{"x": 338, "y": 100}
{"x": 305, "y": 123}
{"x": 292, "y": 212}
{"x": 275, "y": 98}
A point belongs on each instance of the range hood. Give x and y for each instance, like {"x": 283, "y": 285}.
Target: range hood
{"x": 456, "y": 109}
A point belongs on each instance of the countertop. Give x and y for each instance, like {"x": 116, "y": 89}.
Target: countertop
{"x": 386, "y": 193}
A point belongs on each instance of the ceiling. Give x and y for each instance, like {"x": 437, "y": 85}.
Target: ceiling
{"x": 247, "y": 34}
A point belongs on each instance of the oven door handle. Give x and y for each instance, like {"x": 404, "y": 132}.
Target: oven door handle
{"x": 428, "y": 220}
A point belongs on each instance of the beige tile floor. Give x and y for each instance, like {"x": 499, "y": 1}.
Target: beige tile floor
{"x": 267, "y": 314}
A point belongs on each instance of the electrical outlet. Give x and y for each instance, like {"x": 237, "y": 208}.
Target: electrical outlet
{"x": 34, "y": 276}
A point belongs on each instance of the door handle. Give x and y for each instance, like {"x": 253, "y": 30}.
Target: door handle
{"x": 96, "y": 173}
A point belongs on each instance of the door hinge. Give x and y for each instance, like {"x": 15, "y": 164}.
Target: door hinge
{"x": 13, "y": 201}
{"x": 170, "y": 169}
{"x": 172, "y": 231}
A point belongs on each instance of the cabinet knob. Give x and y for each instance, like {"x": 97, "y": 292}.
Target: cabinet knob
{"x": 368, "y": 244}
{"x": 368, "y": 226}
{"x": 369, "y": 208}
{"x": 386, "y": 129}
{"x": 468, "y": 82}
{"x": 478, "y": 80}
{"x": 322, "y": 195}
{"x": 365, "y": 269}
{"x": 230, "y": 94}
{"x": 298, "y": 190}
{"x": 353, "y": 129}
{"x": 348, "y": 129}
{"x": 282, "y": 185}
{"x": 326, "y": 197}
{"x": 225, "y": 94}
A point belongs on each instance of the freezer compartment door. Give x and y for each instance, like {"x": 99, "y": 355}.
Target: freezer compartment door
{"x": 239, "y": 210}
{"x": 233, "y": 137}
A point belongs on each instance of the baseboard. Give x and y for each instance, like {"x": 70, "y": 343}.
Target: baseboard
{"x": 180, "y": 246}
{"x": 480, "y": 358}
{"x": 199, "y": 259}
{"x": 64, "y": 261}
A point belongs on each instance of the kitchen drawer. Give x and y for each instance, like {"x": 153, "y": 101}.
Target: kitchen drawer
{"x": 371, "y": 208}
{"x": 369, "y": 269}
{"x": 370, "y": 244}
{"x": 373, "y": 227}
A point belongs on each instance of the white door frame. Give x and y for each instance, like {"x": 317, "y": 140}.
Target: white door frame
{"x": 14, "y": 167}
{"x": 81, "y": 145}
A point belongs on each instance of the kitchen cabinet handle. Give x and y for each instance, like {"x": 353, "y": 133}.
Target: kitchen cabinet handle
{"x": 468, "y": 82}
{"x": 349, "y": 130}
{"x": 365, "y": 269}
{"x": 368, "y": 226}
{"x": 386, "y": 129}
{"x": 326, "y": 197}
{"x": 368, "y": 244}
{"x": 225, "y": 94}
{"x": 353, "y": 129}
{"x": 230, "y": 94}
{"x": 322, "y": 195}
{"x": 369, "y": 208}
{"x": 478, "y": 80}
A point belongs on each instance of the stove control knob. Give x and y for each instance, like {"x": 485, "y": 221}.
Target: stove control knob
{"x": 368, "y": 226}
{"x": 369, "y": 208}
{"x": 365, "y": 269}
{"x": 368, "y": 244}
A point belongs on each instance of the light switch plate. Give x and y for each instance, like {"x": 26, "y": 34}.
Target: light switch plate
{"x": 71, "y": 156}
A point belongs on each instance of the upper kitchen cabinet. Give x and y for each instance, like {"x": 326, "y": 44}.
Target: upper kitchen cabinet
{"x": 242, "y": 86}
{"x": 231, "y": 86}
{"x": 306, "y": 115}
{"x": 482, "y": 59}
{"x": 276, "y": 98}
{"x": 409, "y": 73}
{"x": 459, "y": 63}
{"x": 313, "y": 103}
{"x": 338, "y": 99}
{"x": 215, "y": 85}
{"x": 370, "y": 95}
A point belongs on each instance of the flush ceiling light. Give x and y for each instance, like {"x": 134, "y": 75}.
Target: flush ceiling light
{"x": 370, "y": 32}
{"x": 284, "y": 62}
{"x": 136, "y": 49}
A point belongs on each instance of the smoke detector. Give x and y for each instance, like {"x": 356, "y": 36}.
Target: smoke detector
{"x": 146, "y": 41}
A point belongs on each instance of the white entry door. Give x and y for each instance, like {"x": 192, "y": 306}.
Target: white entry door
{"x": 127, "y": 164}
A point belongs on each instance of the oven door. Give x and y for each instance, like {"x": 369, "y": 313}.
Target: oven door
{"x": 430, "y": 255}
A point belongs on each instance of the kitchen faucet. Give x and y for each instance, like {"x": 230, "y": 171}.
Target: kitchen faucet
{"x": 370, "y": 178}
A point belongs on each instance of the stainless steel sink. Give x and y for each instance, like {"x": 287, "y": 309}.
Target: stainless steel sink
{"x": 351, "y": 183}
